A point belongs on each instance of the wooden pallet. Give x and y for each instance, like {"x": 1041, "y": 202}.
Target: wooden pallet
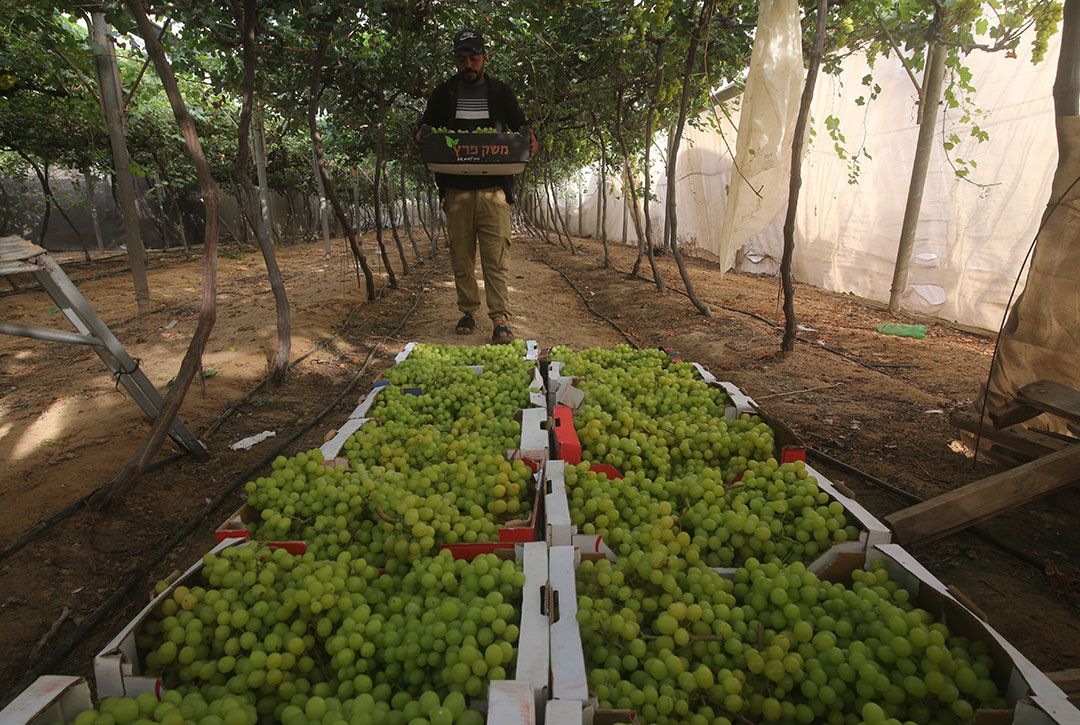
{"x": 1052, "y": 464}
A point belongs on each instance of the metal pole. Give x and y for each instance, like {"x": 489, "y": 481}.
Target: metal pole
{"x": 47, "y": 334}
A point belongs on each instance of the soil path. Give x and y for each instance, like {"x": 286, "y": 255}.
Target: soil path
{"x": 64, "y": 429}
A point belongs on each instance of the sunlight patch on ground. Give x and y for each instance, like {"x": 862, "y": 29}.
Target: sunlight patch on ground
{"x": 958, "y": 446}
{"x": 52, "y": 425}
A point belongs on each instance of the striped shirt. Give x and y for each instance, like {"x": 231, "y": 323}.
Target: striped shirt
{"x": 472, "y": 107}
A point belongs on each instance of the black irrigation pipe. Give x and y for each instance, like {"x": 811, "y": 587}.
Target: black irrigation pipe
{"x": 591, "y": 309}
{"x": 138, "y": 574}
{"x": 981, "y": 533}
{"x": 876, "y": 367}
{"x": 34, "y": 530}
{"x": 1025, "y": 557}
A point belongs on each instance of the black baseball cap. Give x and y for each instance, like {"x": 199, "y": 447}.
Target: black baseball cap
{"x": 469, "y": 39}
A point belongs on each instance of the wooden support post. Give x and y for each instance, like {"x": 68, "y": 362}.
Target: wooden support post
{"x": 970, "y": 504}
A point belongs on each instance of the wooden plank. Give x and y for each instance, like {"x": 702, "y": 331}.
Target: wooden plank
{"x": 1067, "y": 680}
{"x": 1031, "y": 444}
{"x": 13, "y": 249}
{"x": 1051, "y": 397}
{"x": 967, "y": 505}
{"x": 1012, "y": 413}
{"x": 17, "y": 267}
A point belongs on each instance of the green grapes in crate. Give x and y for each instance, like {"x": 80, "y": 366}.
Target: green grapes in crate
{"x": 304, "y": 638}
{"x": 172, "y": 709}
{"x": 772, "y": 513}
{"x": 680, "y": 644}
{"x": 390, "y": 516}
{"x": 500, "y": 355}
{"x": 641, "y": 412}
{"x": 479, "y": 406}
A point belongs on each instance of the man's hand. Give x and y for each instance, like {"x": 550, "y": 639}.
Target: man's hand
{"x": 418, "y": 138}
{"x": 534, "y": 145}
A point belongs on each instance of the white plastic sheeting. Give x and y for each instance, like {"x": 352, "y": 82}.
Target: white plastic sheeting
{"x": 770, "y": 105}
{"x": 970, "y": 239}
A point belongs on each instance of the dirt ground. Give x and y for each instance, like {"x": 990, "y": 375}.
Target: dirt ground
{"x": 65, "y": 429}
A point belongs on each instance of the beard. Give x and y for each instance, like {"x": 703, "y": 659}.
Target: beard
{"x": 470, "y": 75}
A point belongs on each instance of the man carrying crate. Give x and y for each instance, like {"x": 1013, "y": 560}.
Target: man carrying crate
{"x": 477, "y": 206}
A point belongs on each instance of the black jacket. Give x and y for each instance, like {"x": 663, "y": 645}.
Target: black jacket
{"x": 503, "y": 106}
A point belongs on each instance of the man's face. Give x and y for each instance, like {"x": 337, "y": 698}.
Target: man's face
{"x": 470, "y": 65}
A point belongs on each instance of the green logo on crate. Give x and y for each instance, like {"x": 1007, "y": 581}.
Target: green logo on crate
{"x": 451, "y": 142}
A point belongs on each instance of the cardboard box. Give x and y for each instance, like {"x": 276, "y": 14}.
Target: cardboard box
{"x": 537, "y": 391}
{"x": 563, "y": 712}
{"x": 332, "y": 448}
{"x": 235, "y": 527}
{"x": 511, "y": 702}
{"x": 534, "y": 435}
{"x": 1034, "y": 699}
{"x": 534, "y": 643}
{"x": 523, "y": 530}
{"x": 568, "y": 674}
{"x": 49, "y": 699}
{"x": 405, "y": 352}
{"x": 457, "y": 152}
{"x": 119, "y": 671}
{"x": 560, "y": 530}
{"x": 567, "y": 443}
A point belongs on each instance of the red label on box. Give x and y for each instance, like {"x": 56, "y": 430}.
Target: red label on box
{"x": 567, "y": 443}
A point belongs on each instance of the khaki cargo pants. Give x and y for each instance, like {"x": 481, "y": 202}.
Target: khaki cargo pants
{"x": 481, "y": 218}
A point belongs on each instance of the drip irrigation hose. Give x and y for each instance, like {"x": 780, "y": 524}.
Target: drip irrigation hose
{"x": 981, "y": 533}
{"x": 1025, "y": 557}
{"x": 138, "y": 574}
{"x": 591, "y": 309}
{"x": 34, "y": 530}
{"x": 876, "y": 367}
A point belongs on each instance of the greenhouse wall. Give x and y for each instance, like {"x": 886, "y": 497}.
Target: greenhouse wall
{"x": 972, "y": 234}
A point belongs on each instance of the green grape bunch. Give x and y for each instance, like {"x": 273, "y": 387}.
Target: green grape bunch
{"x": 383, "y": 508}
{"x": 304, "y": 639}
{"x": 678, "y": 643}
{"x": 772, "y": 513}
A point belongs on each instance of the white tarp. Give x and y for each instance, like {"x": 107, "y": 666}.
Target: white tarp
{"x": 770, "y": 105}
{"x": 970, "y": 239}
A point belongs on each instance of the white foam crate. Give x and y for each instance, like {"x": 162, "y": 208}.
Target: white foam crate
{"x": 49, "y": 699}
{"x": 561, "y": 531}
{"x": 118, "y": 670}
{"x": 511, "y": 702}
{"x": 1033, "y": 697}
